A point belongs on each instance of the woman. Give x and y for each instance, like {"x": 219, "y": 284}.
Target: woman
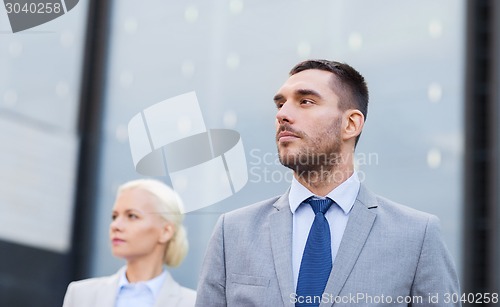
{"x": 146, "y": 230}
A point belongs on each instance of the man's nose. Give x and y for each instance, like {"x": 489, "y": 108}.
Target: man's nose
{"x": 285, "y": 113}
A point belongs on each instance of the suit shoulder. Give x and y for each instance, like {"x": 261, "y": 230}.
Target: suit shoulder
{"x": 402, "y": 209}
{"x": 254, "y": 209}
{"x": 401, "y": 214}
{"x": 91, "y": 283}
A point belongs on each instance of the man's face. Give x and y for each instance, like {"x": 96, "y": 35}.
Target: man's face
{"x": 308, "y": 122}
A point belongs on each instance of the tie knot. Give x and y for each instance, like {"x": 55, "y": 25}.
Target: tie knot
{"x": 319, "y": 205}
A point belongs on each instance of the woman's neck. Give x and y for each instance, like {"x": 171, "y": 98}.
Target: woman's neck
{"x": 143, "y": 270}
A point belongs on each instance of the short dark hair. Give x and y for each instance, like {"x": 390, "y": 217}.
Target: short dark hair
{"x": 349, "y": 84}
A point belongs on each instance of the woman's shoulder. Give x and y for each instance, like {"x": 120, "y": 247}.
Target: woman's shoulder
{"x": 188, "y": 296}
{"x": 99, "y": 291}
{"x": 93, "y": 284}
{"x": 188, "y": 292}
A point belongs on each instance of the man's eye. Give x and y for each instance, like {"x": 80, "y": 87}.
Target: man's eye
{"x": 307, "y": 101}
{"x": 132, "y": 216}
{"x": 113, "y": 217}
{"x": 279, "y": 105}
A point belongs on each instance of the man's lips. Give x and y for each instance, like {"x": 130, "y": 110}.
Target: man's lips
{"x": 284, "y": 136}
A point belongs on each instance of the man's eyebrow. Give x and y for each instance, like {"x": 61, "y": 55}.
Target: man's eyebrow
{"x": 278, "y": 97}
{"x": 307, "y": 92}
{"x": 300, "y": 92}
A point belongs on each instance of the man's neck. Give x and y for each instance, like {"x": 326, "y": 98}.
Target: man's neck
{"x": 322, "y": 183}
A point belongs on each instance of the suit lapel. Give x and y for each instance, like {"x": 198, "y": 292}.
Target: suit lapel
{"x": 358, "y": 228}
{"x": 109, "y": 289}
{"x": 280, "y": 224}
{"x": 169, "y": 294}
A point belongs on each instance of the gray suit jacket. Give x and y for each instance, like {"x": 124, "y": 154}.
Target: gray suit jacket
{"x": 389, "y": 253}
{"x": 102, "y": 292}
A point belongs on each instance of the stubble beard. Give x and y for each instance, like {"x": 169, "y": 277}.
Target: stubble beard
{"x": 318, "y": 158}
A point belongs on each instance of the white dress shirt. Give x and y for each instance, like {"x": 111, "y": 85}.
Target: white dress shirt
{"x": 140, "y": 294}
{"x": 303, "y": 216}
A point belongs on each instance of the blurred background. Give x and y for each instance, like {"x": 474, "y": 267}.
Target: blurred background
{"x": 68, "y": 89}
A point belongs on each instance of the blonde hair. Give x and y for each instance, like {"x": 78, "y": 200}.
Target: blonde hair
{"x": 170, "y": 207}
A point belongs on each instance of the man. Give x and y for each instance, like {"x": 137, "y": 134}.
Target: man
{"x": 327, "y": 240}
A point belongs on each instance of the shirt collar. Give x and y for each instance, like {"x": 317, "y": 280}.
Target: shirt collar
{"x": 344, "y": 195}
{"x": 153, "y": 284}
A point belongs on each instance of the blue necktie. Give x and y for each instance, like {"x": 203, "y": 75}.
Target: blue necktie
{"x": 317, "y": 258}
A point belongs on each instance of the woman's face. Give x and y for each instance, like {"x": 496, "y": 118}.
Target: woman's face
{"x": 137, "y": 230}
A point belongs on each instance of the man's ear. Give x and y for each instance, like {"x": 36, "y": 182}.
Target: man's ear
{"x": 353, "y": 124}
{"x": 167, "y": 232}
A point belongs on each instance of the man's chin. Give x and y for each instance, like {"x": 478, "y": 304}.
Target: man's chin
{"x": 286, "y": 158}
{"x": 292, "y": 162}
